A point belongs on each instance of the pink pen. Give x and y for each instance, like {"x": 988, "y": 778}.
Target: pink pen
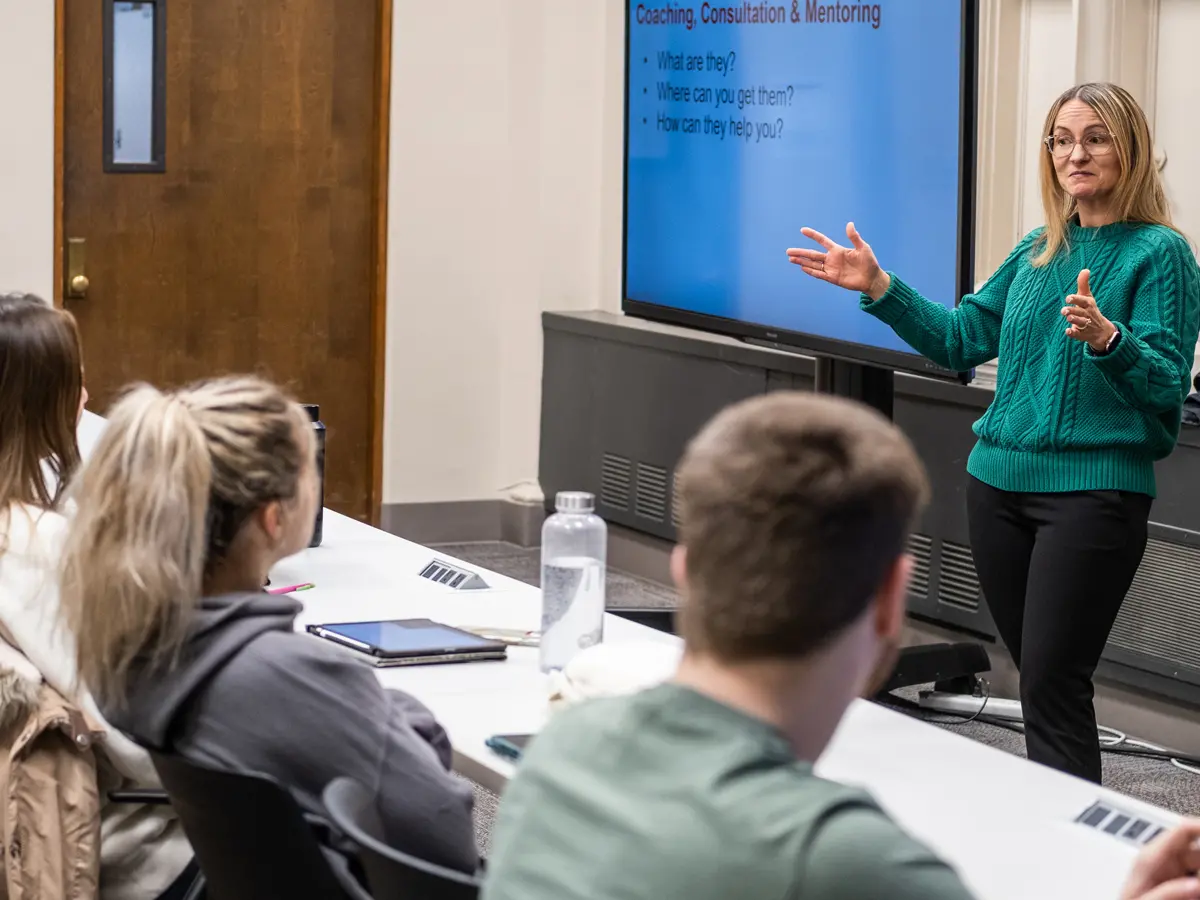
{"x": 292, "y": 588}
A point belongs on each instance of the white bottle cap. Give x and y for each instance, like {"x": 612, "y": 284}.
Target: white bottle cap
{"x": 575, "y": 502}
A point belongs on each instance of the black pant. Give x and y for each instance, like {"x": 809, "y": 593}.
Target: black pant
{"x": 1054, "y": 569}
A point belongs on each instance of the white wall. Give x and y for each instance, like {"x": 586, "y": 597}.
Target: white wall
{"x": 1178, "y": 99}
{"x": 27, "y": 146}
{"x": 506, "y": 171}
{"x": 1177, "y": 127}
{"x": 506, "y": 160}
{"x": 1049, "y": 53}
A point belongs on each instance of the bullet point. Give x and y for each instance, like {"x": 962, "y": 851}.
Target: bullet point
{"x": 645, "y": 59}
{"x": 643, "y": 121}
{"x": 644, "y": 90}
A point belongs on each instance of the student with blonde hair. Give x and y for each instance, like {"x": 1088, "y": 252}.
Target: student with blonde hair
{"x": 143, "y": 853}
{"x": 1094, "y": 319}
{"x": 187, "y": 501}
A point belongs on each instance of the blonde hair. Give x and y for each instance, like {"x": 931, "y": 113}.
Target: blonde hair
{"x": 1139, "y": 194}
{"x": 167, "y": 489}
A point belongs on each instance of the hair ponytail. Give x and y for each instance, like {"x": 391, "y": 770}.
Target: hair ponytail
{"x": 161, "y": 501}
{"x": 135, "y": 554}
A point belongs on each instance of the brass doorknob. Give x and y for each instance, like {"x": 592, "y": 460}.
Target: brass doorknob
{"x": 77, "y": 281}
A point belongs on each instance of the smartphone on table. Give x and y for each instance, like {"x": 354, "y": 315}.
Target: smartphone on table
{"x": 510, "y": 746}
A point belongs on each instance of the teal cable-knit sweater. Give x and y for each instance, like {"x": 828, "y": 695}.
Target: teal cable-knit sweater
{"x": 1065, "y": 418}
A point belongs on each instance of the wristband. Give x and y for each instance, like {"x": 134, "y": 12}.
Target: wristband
{"x": 1113, "y": 340}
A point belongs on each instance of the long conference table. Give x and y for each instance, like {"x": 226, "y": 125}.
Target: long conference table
{"x": 1010, "y": 827}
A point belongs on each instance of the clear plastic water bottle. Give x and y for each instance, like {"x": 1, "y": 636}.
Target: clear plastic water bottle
{"x": 574, "y": 549}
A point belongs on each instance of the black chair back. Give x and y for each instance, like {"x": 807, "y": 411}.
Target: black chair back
{"x": 250, "y": 836}
{"x": 391, "y": 874}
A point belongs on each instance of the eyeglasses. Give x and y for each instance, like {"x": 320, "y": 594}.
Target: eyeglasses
{"x": 1095, "y": 143}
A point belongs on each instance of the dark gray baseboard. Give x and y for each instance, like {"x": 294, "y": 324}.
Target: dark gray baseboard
{"x": 465, "y": 522}
{"x": 640, "y": 554}
{"x": 474, "y": 521}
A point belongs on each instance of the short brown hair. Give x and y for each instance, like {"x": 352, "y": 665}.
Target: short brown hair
{"x": 794, "y": 508}
{"x": 41, "y": 382}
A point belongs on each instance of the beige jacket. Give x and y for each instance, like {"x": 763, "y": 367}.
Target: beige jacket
{"x": 50, "y": 814}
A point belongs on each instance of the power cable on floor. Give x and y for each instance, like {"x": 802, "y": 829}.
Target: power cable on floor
{"x": 1111, "y": 740}
{"x": 951, "y": 718}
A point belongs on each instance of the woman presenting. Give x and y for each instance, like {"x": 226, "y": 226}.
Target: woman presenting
{"x": 1094, "y": 319}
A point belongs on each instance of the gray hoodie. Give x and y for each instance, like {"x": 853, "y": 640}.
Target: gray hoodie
{"x": 252, "y": 694}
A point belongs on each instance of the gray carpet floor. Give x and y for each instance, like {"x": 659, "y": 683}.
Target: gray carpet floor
{"x": 1155, "y": 781}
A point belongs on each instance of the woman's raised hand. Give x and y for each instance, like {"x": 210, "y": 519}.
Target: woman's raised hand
{"x": 854, "y": 268}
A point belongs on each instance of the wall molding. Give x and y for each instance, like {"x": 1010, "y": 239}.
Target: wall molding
{"x": 999, "y": 158}
{"x": 1117, "y": 41}
{"x": 1020, "y": 130}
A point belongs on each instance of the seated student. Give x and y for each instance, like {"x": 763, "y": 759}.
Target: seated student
{"x": 143, "y": 852}
{"x": 795, "y": 513}
{"x": 186, "y": 502}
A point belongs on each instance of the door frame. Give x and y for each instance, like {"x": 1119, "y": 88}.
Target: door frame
{"x": 378, "y": 300}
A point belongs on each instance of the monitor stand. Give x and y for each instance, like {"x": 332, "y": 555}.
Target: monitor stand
{"x": 951, "y": 667}
{"x": 867, "y": 384}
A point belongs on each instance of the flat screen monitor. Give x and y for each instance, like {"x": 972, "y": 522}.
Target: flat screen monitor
{"x": 746, "y": 121}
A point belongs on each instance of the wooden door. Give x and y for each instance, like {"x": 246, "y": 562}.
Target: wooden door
{"x": 256, "y": 245}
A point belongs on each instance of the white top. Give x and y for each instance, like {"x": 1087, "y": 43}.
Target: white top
{"x": 91, "y": 426}
{"x": 142, "y": 848}
{"x": 1006, "y": 824}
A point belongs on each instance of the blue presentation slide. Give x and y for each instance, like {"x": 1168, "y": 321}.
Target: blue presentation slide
{"x": 748, "y": 121}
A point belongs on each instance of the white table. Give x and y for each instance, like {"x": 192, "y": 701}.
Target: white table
{"x": 362, "y": 573}
{"x": 1006, "y": 824}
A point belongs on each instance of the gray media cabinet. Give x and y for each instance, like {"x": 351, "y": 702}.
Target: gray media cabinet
{"x": 622, "y": 396}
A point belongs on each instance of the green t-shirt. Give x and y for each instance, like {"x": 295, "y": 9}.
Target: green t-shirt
{"x": 669, "y": 794}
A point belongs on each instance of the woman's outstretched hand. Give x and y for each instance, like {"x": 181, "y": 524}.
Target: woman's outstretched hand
{"x": 854, "y": 268}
